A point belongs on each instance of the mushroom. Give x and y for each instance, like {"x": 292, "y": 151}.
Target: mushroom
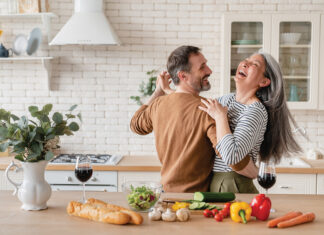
{"x": 169, "y": 216}
{"x": 155, "y": 214}
{"x": 183, "y": 214}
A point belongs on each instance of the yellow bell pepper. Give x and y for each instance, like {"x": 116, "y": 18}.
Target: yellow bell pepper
{"x": 179, "y": 205}
{"x": 240, "y": 212}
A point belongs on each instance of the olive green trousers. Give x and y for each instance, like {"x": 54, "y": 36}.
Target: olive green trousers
{"x": 232, "y": 182}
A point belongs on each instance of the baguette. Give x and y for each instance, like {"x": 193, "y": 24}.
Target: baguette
{"x": 99, "y": 214}
{"x": 135, "y": 218}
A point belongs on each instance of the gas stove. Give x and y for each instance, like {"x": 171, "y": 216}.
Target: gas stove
{"x": 96, "y": 159}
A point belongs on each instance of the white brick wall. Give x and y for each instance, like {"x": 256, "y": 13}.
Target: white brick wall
{"x": 100, "y": 79}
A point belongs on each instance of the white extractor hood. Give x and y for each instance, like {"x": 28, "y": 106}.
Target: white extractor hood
{"x": 87, "y": 26}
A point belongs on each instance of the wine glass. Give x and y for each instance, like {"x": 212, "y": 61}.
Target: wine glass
{"x": 267, "y": 176}
{"x": 83, "y": 171}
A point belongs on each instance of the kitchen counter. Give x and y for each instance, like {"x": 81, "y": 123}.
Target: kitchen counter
{"x": 151, "y": 163}
{"x": 55, "y": 220}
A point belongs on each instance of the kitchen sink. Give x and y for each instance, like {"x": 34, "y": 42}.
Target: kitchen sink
{"x": 293, "y": 162}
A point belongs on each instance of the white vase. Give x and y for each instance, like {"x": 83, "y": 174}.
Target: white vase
{"x": 34, "y": 191}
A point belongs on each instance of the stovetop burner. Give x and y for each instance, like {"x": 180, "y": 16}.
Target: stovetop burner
{"x": 100, "y": 159}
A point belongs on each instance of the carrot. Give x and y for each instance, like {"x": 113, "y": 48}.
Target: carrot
{"x": 273, "y": 223}
{"x": 308, "y": 217}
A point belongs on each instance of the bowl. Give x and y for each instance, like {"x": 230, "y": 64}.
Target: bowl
{"x": 290, "y": 38}
{"x": 142, "y": 195}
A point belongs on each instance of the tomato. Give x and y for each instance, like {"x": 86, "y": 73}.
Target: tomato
{"x": 218, "y": 217}
{"x": 208, "y": 213}
{"x": 227, "y": 206}
{"x": 214, "y": 211}
{"x": 224, "y": 213}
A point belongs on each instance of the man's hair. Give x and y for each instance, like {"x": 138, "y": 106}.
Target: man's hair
{"x": 179, "y": 61}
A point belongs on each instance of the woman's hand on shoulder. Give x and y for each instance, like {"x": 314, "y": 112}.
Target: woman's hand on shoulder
{"x": 214, "y": 109}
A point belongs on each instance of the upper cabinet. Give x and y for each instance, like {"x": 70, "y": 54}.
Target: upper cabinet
{"x": 321, "y": 67}
{"x": 293, "y": 40}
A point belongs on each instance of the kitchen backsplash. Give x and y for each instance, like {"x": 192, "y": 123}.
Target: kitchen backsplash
{"x": 100, "y": 79}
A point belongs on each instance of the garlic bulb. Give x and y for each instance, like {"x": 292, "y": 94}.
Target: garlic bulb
{"x": 154, "y": 214}
{"x": 183, "y": 214}
{"x": 160, "y": 209}
{"x": 169, "y": 216}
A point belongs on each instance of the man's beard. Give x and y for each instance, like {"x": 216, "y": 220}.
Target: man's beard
{"x": 205, "y": 87}
{"x": 199, "y": 85}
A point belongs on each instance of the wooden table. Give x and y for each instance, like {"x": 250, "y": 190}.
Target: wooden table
{"x": 56, "y": 221}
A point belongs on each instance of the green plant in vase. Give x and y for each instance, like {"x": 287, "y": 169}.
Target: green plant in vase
{"x": 146, "y": 88}
{"x": 36, "y": 140}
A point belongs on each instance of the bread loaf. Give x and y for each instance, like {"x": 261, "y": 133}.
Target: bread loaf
{"x": 94, "y": 213}
{"x": 97, "y": 210}
{"x": 135, "y": 218}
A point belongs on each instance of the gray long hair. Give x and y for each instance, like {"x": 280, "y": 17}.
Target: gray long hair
{"x": 278, "y": 138}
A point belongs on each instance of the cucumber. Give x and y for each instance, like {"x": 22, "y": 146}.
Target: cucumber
{"x": 214, "y": 197}
{"x": 194, "y": 206}
{"x": 210, "y": 207}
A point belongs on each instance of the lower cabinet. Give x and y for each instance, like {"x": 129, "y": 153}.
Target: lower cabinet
{"x": 124, "y": 176}
{"x": 292, "y": 184}
{"x": 17, "y": 177}
{"x": 320, "y": 184}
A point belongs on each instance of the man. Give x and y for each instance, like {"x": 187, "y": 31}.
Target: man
{"x": 185, "y": 137}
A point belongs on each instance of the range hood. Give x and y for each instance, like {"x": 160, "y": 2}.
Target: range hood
{"x": 87, "y": 26}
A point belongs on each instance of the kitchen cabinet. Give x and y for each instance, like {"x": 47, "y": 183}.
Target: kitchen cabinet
{"x": 15, "y": 176}
{"x": 321, "y": 67}
{"x": 45, "y": 60}
{"x": 320, "y": 183}
{"x": 293, "y": 40}
{"x": 124, "y": 176}
{"x": 292, "y": 184}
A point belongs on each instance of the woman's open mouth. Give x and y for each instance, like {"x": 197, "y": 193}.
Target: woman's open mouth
{"x": 242, "y": 73}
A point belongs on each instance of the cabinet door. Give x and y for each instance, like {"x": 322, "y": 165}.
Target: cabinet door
{"x": 320, "y": 184}
{"x": 124, "y": 176}
{"x": 15, "y": 176}
{"x": 244, "y": 34}
{"x": 292, "y": 184}
{"x": 295, "y": 44}
{"x": 321, "y": 67}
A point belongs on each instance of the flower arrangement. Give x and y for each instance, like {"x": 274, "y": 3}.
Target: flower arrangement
{"x": 35, "y": 140}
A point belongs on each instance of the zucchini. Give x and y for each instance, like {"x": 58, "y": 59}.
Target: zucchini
{"x": 214, "y": 197}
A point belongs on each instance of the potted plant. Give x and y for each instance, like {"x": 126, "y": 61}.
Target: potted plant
{"x": 146, "y": 88}
{"x": 34, "y": 141}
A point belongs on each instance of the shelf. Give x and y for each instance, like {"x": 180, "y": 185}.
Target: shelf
{"x": 40, "y": 14}
{"x": 297, "y": 77}
{"x": 247, "y": 46}
{"x": 26, "y": 58}
{"x": 294, "y": 46}
{"x": 45, "y": 61}
{"x": 45, "y": 16}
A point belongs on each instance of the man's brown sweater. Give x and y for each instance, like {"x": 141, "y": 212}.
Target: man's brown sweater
{"x": 184, "y": 138}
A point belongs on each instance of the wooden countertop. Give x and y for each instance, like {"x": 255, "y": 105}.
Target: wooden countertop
{"x": 151, "y": 163}
{"x": 55, "y": 220}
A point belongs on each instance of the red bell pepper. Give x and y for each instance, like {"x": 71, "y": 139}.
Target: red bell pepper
{"x": 261, "y": 206}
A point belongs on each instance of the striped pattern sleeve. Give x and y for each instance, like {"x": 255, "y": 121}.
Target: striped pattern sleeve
{"x": 248, "y": 133}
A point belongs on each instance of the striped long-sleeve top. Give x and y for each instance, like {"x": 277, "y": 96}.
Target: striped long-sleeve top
{"x": 248, "y": 124}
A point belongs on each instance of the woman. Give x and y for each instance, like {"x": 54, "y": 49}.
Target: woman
{"x": 254, "y": 121}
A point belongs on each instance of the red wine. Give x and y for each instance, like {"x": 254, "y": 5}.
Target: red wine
{"x": 267, "y": 180}
{"x": 83, "y": 173}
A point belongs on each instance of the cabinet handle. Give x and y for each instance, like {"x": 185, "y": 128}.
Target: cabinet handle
{"x": 69, "y": 179}
{"x": 94, "y": 179}
{"x": 284, "y": 187}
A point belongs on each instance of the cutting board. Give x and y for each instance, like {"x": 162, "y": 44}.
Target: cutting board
{"x": 169, "y": 202}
